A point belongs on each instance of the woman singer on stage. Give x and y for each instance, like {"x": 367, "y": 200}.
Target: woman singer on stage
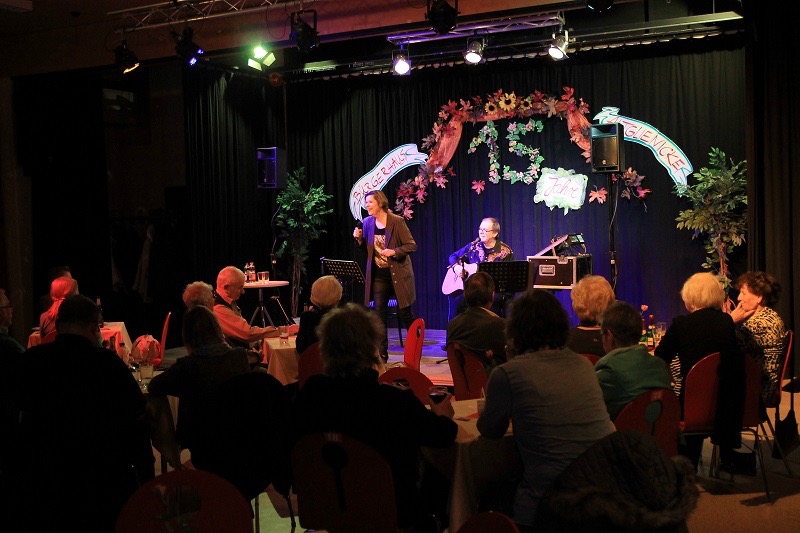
{"x": 388, "y": 243}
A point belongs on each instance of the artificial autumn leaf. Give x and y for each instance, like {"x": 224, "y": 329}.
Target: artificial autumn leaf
{"x": 478, "y": 186}
{"x": 599, "y": 195}
{"x": 421, "y": 194}
{"x": 451, "y": 107}
{"x": 440, "y": 180}
{"x": 641, "y": 193}
{"x": 408, "y": 212}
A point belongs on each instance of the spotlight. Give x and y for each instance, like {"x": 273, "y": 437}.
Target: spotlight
{"x": 124, "y": 59}
{"x": 442, "y": 15}
{"x": 261, "y": 58}
{"x": 474, "y": 52}
{"x": 305, "y": 37}
{"x": 598, "y": 6}
{"x": 558, "y": 48}
{"x": 187, "y": 49}
{"x": 400, "y": 62}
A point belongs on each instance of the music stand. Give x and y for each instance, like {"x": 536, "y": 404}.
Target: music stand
{"x": 347, "y": 272}
{"x": 509, "y": 277}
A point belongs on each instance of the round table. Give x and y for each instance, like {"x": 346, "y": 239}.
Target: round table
{"x": 261, "y": 309}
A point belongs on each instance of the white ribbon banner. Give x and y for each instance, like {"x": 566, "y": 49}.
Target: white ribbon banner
{"x": 377, "y": 178}
{"x": 666, "y": 151}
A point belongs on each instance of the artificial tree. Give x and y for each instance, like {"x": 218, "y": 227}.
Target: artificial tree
{"x": 719, "y": 210}
{"x": 300, "y": 220}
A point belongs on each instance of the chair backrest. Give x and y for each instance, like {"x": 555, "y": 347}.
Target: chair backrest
{"x": 414, "y": 379}
{"x": 775, "y": 401}
{"x": 493, "y": 521}
{"x": 591, "y": 357}
{"x": 656, "y": 412}
{"x": 163, "y": 345}
{"x": 753, "y": 412}
{"x": 700, "y": 395}
{"x": 342, "y": 484}
{"x": 50, "y": 337}
{"x": 469, "y": 376}
{"x": 186, "y": 500}
{"x": 412, "y": 351}
{"x": 310, "y": 363}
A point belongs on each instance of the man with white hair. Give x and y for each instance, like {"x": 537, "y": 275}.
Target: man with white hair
{"x": 230, "y": 286}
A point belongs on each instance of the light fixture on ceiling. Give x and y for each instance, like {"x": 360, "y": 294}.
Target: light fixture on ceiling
{"x": 124, "y": 58}
{"x": 442, "y": 15}
{"x": 598, "y": 6}
{"x": 304, "y": 35}
{"x": 261, "y": 58}
{"x": 474, "y": 52}
{"x": 187, "y": 49}
{"x": 401, "y": 64}
{"x": 558, "y": 47}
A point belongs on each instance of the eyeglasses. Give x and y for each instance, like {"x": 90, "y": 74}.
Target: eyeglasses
{"x": 483, "y": 230}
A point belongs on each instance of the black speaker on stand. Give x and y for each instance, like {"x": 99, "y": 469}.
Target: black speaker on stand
{"x": 608, "y": 157}
{"x": 271, "y": 168}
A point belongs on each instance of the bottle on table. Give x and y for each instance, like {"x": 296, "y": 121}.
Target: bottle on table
{"x": 650, "y": 341}
{"x": 100, "y": 316}
{"x": 123, "y": 353}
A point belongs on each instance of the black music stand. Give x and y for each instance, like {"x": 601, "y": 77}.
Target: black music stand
{"x": 347, "y": 272}
{"x": 509, "y": 277}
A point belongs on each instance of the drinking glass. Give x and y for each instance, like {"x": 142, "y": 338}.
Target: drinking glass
{"x": 263, "y": 276}
{"x": 661, "y": 328}
{"x": 284, "y": 331}
{"x": 437, "y": 393}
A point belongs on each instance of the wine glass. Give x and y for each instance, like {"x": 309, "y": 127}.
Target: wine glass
{"x": 437, "y": 393}
{"x": 661, "y": 328}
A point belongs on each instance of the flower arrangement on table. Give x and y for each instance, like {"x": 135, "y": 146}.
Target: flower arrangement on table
{"x": 447, "y": 129}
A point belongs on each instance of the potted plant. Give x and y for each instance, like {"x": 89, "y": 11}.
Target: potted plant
{"x": 300, "y": 220}
{"x": 719, "y": 210}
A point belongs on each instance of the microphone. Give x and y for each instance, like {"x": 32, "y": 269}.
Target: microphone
{"x": 274, "y": 298}
{"x": 475, "y": 242}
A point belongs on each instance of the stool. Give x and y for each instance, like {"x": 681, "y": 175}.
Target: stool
{"x": 391, "y": 313}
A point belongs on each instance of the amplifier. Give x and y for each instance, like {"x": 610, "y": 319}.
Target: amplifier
{"x": 559, "y": 272}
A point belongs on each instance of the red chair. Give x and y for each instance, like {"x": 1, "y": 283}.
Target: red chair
{"x": 656, "y": 412}
{"x": 753, "y": 414}
{"x": 700, "y": 400}
{"x": 469, "y": 376}
{"x": 309, "y": 364}
{"x": 412, "y": 350}
{"x": 408, "y": 377}
{"x": 591, "y": 357}
{"x": 489, "y": 521}
{"x": 50, "y": 337}
{"x": 342, "y": 484}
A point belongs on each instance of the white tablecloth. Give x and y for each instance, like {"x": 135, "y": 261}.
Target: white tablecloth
{"x": 282, "y": 359}
{"x": 109, "y": 330}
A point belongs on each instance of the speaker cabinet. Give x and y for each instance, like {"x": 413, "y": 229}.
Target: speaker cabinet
{"x": 271, "y": 168}
{"x": 608, "y": 153}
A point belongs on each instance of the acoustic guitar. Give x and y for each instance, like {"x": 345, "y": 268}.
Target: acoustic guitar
{"x": 455, "y": 276}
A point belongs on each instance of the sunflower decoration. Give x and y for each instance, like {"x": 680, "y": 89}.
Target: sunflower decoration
{"x": 525, "y": 106}
{"x": 508, "y": 102}
{"x": 491, "y": 108}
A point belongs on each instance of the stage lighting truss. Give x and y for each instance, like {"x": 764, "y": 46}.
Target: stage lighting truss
{"x": 474, "y": 52}
{"x": 401, "y": 63}
{"x": 124, "y": 58}
{"x": 187, "y": 49}
{"x": 305, "y": 36}
{"x": 442, "y": 16}
{"x": 558, "y": 48}
{"x": 262, "y": 58}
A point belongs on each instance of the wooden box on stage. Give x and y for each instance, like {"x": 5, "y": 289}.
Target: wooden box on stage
{"x": 559, "y": 272}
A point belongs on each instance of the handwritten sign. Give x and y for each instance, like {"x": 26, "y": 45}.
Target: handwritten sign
{"x": 666, "y": 151}
{"x": 561, "y": 188}
{"x": 377, "y": 178}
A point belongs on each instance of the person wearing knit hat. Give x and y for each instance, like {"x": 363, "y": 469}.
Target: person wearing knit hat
{"x": 325, "y": 295}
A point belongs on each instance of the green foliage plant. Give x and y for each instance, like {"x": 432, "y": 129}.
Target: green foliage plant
{"x": 300, "y": 220}
{"x": 719, "y": 210}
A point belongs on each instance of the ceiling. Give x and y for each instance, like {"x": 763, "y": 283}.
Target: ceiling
{"x": 357, "y": 36}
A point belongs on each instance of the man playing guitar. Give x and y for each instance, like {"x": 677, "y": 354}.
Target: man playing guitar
{"x": 464, "y": 262}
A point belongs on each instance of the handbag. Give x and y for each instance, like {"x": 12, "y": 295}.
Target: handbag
{"x": 786, "y": 434}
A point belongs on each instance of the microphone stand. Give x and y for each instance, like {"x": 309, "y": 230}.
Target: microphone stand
{"x": 285, "y": 316}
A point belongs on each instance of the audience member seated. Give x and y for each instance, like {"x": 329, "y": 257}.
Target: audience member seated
{"x": 60, "y": 288}
{"x": 195, "y": 377}
{"x": 84, "y": 445}
{"x": 706, "y": 330}
{"x": 198, "y": 293}
{"x": 590, "y": 297}
{"x": 10, "y": 360}
{"x": 348, "y": 398}
{"x": 230, "y": 286}
{"x": 478, "y": 328}
{"x": 325, "y": 295}
{"x": 548, "y": 393}
{"x": 45, "y": 301}
{"x": 628, "y": 369}
{"x": 760, "y": 330}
